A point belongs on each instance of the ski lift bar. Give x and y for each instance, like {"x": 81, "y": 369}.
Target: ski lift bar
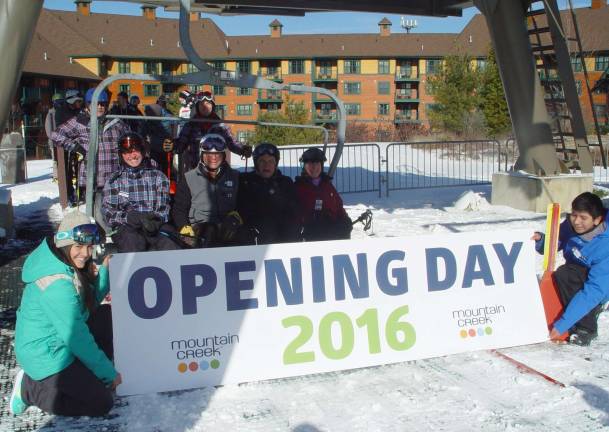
{"x": 207, "y": 75}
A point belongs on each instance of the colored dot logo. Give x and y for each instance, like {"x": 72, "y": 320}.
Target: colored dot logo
{"x": 473, "y": 332}
{"x": 203, "y": 365}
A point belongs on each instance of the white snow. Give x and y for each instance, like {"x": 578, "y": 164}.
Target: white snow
{"x": 468, "y": 392}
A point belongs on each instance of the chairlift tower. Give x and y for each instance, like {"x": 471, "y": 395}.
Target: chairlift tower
{"x": 408, "y": 24}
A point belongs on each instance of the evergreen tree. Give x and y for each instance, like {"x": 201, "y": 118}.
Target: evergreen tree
{"x": 492, "y": 99}
{"x": 294, "y": 113}
{"x": 454, "y": 90}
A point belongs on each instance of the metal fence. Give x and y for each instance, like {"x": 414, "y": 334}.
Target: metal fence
{"x": 359, "y": 169}
{"x": 445, "y": 163}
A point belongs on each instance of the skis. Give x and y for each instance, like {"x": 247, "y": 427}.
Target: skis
{"x": 525, "y": 368}
{"x": 549, "y": 294}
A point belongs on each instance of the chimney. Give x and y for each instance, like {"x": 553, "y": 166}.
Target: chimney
{"x": 194, "y": 16}
{"x": 276, "y": 27}
{"x": 83, "y": 7}
{"x": 149, "y": 12}
{"x": 597, "y": 4}
{"x": 385, "y": 27}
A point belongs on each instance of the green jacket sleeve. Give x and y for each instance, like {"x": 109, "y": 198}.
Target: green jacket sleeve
{"x": 63, "y": 306}
{"x": 102, "y": 283}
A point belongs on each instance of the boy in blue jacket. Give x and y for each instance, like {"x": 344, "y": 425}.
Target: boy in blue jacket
{"x": 583, "y": 281}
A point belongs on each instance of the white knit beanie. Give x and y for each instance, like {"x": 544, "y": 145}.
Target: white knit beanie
{"x": 70, "y": 220}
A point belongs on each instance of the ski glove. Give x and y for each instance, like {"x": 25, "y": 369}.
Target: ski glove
{"x": 187, "y": 231}
{"x": 230, "y": 225}
{"x": 151, "y": 223}
{"x": 246, "y": 151}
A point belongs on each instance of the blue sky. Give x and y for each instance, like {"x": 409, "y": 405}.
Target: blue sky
{"x": 312, "y": 23}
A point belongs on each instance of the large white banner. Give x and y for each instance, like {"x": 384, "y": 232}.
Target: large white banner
{"x": 195, "y": 318}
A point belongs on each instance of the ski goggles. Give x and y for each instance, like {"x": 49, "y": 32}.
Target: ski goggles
{"x": 205, "y": 98}
{"x": 87, "y": 234}
{"x": 212, "y": 143}
{"x": 129, "y": 143}
{"x": 266, "y": 149}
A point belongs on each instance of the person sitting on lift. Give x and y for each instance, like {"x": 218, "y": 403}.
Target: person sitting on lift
{"x": 583, "y": 281}
{"x": 136, "y": 201}
{"x": 205, "y": 202}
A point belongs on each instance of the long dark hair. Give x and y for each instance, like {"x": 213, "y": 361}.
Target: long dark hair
{"x": 86, "y": 276}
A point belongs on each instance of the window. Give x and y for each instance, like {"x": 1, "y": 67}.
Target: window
{"x": 190, "y": 68}
{"x": 195, "y": 88}
{"x": 404, "y": 69}
{"x": 325, "y": 69}
{"x": 383, "y": 67}
{"x": 383, "y": 109}
{"x": 244, "y": 136}
{"x": 601, "y": 63}
{"x": 221, "y": 110}
{"x": 481, "y": 64}
{"x": 352, "y": 88}
{"x": 244, "y": 91}
{"x": 272, "y": 107}
{"x": 353, "y": 109}
{"x": 273, "y": 94}
{"x": 601, "y": 113}
{"x": 273, "y": 72}
{"x": 124, "y": 88}
{"x": 244, "y": 110}
{"x": 433, "y": 66}
{"x": 244, "y": 66}
{"x": 124, "y": 67}
{"x": 297, "y": 66}
{"x": 151, "y": 90}
{"x": 428, "y": 88}
{"x": 352, "y": 66}
{"x": 383, "y": 87}
{"x": 151, "y": 67}
{"x": 219, "y": 90}
{"x": 576, "y": 64}
{"x": 217, "y": 64}
{"x": 167, "y": 68}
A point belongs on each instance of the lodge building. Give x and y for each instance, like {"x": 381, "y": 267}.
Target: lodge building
{"x": 379, "y": 77}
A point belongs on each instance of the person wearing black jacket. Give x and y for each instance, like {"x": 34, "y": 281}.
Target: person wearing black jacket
{"x": 267, "y": 200}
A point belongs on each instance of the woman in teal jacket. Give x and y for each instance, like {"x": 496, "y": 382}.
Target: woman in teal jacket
{"x": 63, "y": 337}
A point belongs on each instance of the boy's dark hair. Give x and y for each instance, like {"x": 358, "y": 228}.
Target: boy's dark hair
{"x": 589, "y": 203}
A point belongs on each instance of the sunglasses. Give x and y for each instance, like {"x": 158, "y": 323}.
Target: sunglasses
{"x": 87, "y": 234}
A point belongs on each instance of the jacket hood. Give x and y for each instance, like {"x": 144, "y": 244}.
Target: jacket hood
{"x": 43, "y": 262}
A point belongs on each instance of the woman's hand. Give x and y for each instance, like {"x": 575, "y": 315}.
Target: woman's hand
{"x": 555, "y": 336}
{"x": 536, "y": 236}
{"x": 117, "y": 381}
{"x": 106, "y": 261}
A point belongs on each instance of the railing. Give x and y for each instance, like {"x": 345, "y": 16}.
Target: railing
{"x": 444, "y": 163}
{"x": 401, "y": 117}
{"x": 325, "y": 116}
{"x": 408, "y": 94}
{"x": 325, "y": 76}
{"x": 271, "y": 74}
{"x": 359, "y": 169}
{"x": 406, "y": 74}
{"x": 269, "y": 96}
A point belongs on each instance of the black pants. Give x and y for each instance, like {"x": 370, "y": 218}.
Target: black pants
{"x": 75, "y": 391}
{"x": 129, "y": 239}
{"x": 570, "y": 279}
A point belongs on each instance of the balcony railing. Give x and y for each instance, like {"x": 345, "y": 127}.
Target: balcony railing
{"x": 407, "y": 74}
{"x": 266, "y": 96}
{"x": 325, "y": 76}
{"x": 271, "y": 74}
{"x": 407, "y": 95}
{"x": 324, "y": 117}
{"x": 321, "y": 98}
{"x": 406, "y": 117}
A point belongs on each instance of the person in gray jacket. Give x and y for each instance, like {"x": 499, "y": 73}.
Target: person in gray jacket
{"x": 204, "y": 208}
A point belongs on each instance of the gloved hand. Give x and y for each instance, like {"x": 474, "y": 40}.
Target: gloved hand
{"x": 167, "y": 145}
{"x": 229, "y": 226}
{"x": 151, "y": 223}
{"x": 187, "y": 231}
{"x": 246, "y": 151}
{"x": 134, "y": 219}
{"x": 80, "y": 151}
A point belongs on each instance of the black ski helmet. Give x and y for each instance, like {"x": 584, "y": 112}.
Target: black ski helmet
{"x": 131, "y": 141}
{"x": 313, "y": 154}
{"x": 266, "y": 148}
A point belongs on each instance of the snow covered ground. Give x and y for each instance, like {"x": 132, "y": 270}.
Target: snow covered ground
{"x": 469, "y": 392}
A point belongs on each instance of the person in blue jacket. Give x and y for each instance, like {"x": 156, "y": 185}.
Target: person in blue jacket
{"x": 63, "y": 337}
{"x": 583, "y": 281}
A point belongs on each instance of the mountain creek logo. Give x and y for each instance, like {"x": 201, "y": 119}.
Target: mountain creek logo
{"x": 477, "y": 321}
{"x": 203, "y": 353}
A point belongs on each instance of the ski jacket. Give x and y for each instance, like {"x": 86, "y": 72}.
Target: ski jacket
{"x": 590, "y": 250}
{"x": 73, "y": 135}
{"x": 321, "y": 211}
{"x": 269, "y": 206}
{"x": 187, "y": 142}
{"x": 51, "y": 328}
{"x": 142, "y": 189}
{"x": 199, "y": 198}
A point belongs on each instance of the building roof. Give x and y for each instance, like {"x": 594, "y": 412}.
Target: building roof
{"x": 136, "y": 37}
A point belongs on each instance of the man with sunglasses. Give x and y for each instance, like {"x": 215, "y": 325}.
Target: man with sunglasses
{"x": 267, "y": 200}
{"x": 192, "y": 132}
{"x": 205, "y": 203}
{"x": 73, "y": 135}
{"x": 136, "y": 200}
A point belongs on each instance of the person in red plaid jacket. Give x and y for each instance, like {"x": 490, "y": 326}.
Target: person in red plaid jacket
{"x": 191, "y": 134}
{"x": 136, "y": 201}
{"x": 73, "y": 135}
